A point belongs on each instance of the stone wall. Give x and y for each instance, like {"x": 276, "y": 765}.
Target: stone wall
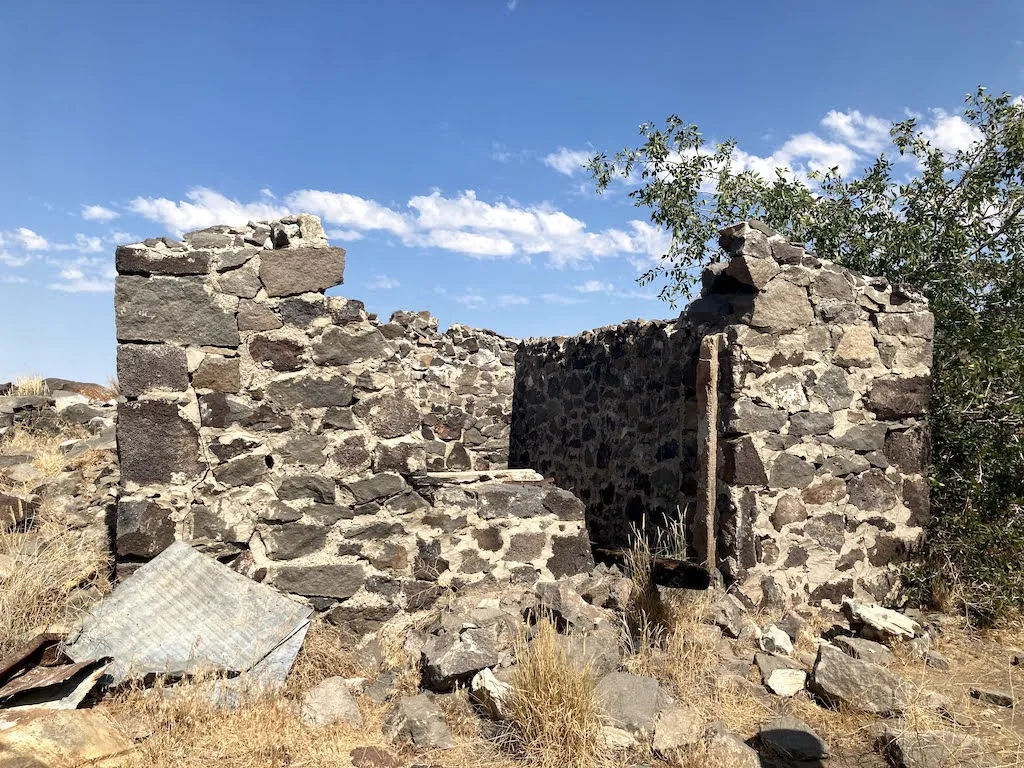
{"x": 271, "y": 423}
{"x": 822, "y": 440}
{"x": 780, "y": 419}
{"x": 611, "y": 415}
{"x": 826, "y": 382}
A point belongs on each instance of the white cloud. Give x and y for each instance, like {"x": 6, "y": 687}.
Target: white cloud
{"x": 471, "y": 300}
{"x": 29, "y": 240}
{"x": 566, "y": 161}
{"x": 512, "y": 4}
{"x": 98, "y": 213}
{"x": 13, "y": 279}
{"x": 558, "y": 298}
{"x": 345, "y": 235}
{"x": 11, "y": 260}
{"x": 347, "y": 210}
{"x": 949, "y": 132}
{"x": 469, "y": 243}
{"x": 82, "y": 243}
{"x": 512, "y": 300}
{"x": 595, "y": 286}
{"x": 383, "y": 282}
{"x": 85, "y": 275}
{"x": 865, "y": 133}
{"x": 203, "y": 208}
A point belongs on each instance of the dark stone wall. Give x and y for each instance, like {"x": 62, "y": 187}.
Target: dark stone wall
{"x": 611, "y": 415}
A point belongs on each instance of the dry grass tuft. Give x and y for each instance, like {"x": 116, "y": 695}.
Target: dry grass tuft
{"x": 45, "y": 571}
{"x": 27, "y": 386}
{"x": 323, "y": 654}
{"x": 553, "y": 717}
{"x": 186, "y": 731}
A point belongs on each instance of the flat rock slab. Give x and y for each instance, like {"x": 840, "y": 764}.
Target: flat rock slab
{"x": 330, "y": 702}
{"x": 631, "y": 702}
{"x": 887, "y": 623}
{"x": 906, "y": 748}
{"x": 419, "y": 721}
{"x": 32, "y": 738}
{"x": 840, "y": 679}
{"x": 998, "y": 698}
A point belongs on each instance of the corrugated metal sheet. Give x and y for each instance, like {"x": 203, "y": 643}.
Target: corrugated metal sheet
{"x": 183, "y": 613}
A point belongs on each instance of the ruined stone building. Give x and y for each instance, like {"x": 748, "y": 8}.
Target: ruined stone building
{"x": 776, "y": 427}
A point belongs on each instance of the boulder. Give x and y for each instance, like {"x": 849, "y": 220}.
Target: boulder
{"x": 631, "y": 702}
{"x": 728, "y": 614}
{"x": 676, "y": 728}
{"x": 330, "y": 702}
{"x": 452, "y": 657}
{"x": 997, "y": 698}
{"x": 780, "y": 675}
{"x": 418, "y": 720}
{"x": 725, "y": 748}
{"x": 840, "y": 679}
{"x": 490, "y": 694}
{"x": 905, "y": 747}
{"x": 774, "y": 640}
{"x": 882, "y": 621}
{"x": 866, "y": 650}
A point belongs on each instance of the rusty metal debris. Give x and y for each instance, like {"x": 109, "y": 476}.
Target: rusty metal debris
{"x": 40, "y": 675}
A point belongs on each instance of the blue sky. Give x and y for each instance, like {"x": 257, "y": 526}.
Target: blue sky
{"x": 438, "y": 140}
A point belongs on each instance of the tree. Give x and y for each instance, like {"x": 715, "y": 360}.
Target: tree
{"x": 948, "y": 224}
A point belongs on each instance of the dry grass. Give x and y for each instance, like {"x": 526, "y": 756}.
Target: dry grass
{"x": 26, "y": 386}
{"x": 186, "y": 731}
{"x": 47, "y": 569}
{"x": 553, "y": 718}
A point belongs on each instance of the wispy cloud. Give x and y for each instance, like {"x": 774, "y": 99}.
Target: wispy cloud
{"x": 512, "y": 300}
{"x": 464, "y": 224}
{"x": 85, "y": 275}
{"x": 568, "y": 162}
{"x": 560, "y": 298}
{"x": 595, "y": 286}
{"x": 30, "y": 240}
{"x": 383, "y": 283}
{"x": 471, "y": 300}
{"x": 98, "y": 213}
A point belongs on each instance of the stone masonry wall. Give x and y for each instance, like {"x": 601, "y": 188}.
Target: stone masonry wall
{"x": 274, "y": 425}
{"x": 822, "y": 439}
{"x": 611, "y": 415}
{"x": 823, "y": 488}
{"x": 362, "y": 464}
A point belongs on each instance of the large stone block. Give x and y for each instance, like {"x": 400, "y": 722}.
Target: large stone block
{"x": 782, "y": 306}
{"x": 292, "y": 271}
{"x": 143, "y": 368}
{"x": 898, "y": 397}
{"x": 139, "y": 260}
{"x": 310, "y": 391}
{"x": 144, "y": 528}
{"x": 340, "y": 580}
{"x": 155, "y": 444}
{"x": 388, "y": 415}
{"x": 342, "y": 345}
{"x": 176, "y": 309}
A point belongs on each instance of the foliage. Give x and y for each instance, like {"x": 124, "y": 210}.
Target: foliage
{"x": 948, "y": 224}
